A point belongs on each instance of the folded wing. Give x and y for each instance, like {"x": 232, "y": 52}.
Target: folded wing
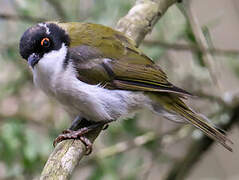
{"x": 93, "y": 67}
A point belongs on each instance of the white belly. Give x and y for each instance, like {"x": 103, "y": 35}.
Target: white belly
{"x": 93, "y": 102}
{"x": 90, "y": 101}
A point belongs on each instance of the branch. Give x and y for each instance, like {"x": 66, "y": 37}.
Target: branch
{"x": 58, "y": 8}
{"x": 136, "y": 142}
{"x": 192, "y": 48}
{"x": 136, "y": 24}
{"x": 26, "y": 18}
{"x": 65, "y": 158}
{"x": 142, "y": 17}
{"x": 166, "y": 138}
{"x": 201, "y": 40}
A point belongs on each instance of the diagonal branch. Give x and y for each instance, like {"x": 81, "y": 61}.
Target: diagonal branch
{"x": 136, "y": 24}
{"x": 142, "y": 17}
{"x": 26, "y": 18}
{"x": 58, "y": 8}
{"x": 201, "y": 40}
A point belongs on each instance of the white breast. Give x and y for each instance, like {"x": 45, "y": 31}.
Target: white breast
{"x": 91, "y": 101}
{"x": 47, "y": 69}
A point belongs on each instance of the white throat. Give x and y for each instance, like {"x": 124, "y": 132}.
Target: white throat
{"x": 47, "y": 68}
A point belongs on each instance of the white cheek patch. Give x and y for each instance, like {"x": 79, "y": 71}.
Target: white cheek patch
{"x": 45, "y": 26}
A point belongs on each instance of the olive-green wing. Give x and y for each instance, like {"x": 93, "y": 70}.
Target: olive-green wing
{"x": 109, "y": 42}
{"x": 95, "y": 68}
{"x": 104, "y": 55}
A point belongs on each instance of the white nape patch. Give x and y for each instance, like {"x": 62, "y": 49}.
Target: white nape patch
{"x": 45, "y": 26}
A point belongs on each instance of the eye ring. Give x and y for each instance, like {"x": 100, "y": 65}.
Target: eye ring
{"x": 45, "y": 42}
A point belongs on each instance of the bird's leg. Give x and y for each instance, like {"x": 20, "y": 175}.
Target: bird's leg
{"x": 80, "y": 122}
{"x": 78, "y": 129}
{"x": 77, "y": 123}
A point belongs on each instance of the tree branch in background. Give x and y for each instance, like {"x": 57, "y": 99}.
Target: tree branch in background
{"x": 138, "y": 141}
{"x": 58, "y": 8}
{"x": 191, "y": 47}
{"x": 165, "y": 138}
{"x": 198, "y": 148}
{"x": 12, "y": 17}
{"x": 136, "y": 24}
{"x": 200, "y": 39}
{"x": 142, "y": 17}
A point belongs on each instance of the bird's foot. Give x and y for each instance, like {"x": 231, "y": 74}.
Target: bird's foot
{"x": 79, "y": 134}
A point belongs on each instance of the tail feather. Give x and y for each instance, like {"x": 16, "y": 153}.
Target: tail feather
{"x": 200, "y": 123}
{"x": 174, "y": 104}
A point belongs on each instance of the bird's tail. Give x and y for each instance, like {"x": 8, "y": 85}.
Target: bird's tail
{"x": 174, "y": 105}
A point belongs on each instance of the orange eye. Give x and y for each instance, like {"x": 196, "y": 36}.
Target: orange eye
{"x": 45, "y": 42}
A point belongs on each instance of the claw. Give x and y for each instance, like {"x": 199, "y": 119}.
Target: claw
{"x": 66, "y": 131}
{"x": 79, "y": 134}
{"x": 70, "y": 134}
{"x": 88, "y": 144}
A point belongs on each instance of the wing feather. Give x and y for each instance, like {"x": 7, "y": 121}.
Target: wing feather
{"x": 120, "y": 74}
{"x": 103, "y": 55}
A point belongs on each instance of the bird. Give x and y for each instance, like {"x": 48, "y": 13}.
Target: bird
{"x": 100, "y": 74}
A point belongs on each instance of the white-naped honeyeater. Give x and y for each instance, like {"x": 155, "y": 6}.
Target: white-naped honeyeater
{"x": 98, "y": 73}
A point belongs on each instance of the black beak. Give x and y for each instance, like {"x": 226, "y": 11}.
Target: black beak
{"x": 33, "y": 59}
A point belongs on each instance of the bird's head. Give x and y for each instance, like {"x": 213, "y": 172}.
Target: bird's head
{"x": 40, "y": 40}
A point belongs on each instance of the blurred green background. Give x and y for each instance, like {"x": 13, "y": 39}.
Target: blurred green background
{"x": 147, "y": 147}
